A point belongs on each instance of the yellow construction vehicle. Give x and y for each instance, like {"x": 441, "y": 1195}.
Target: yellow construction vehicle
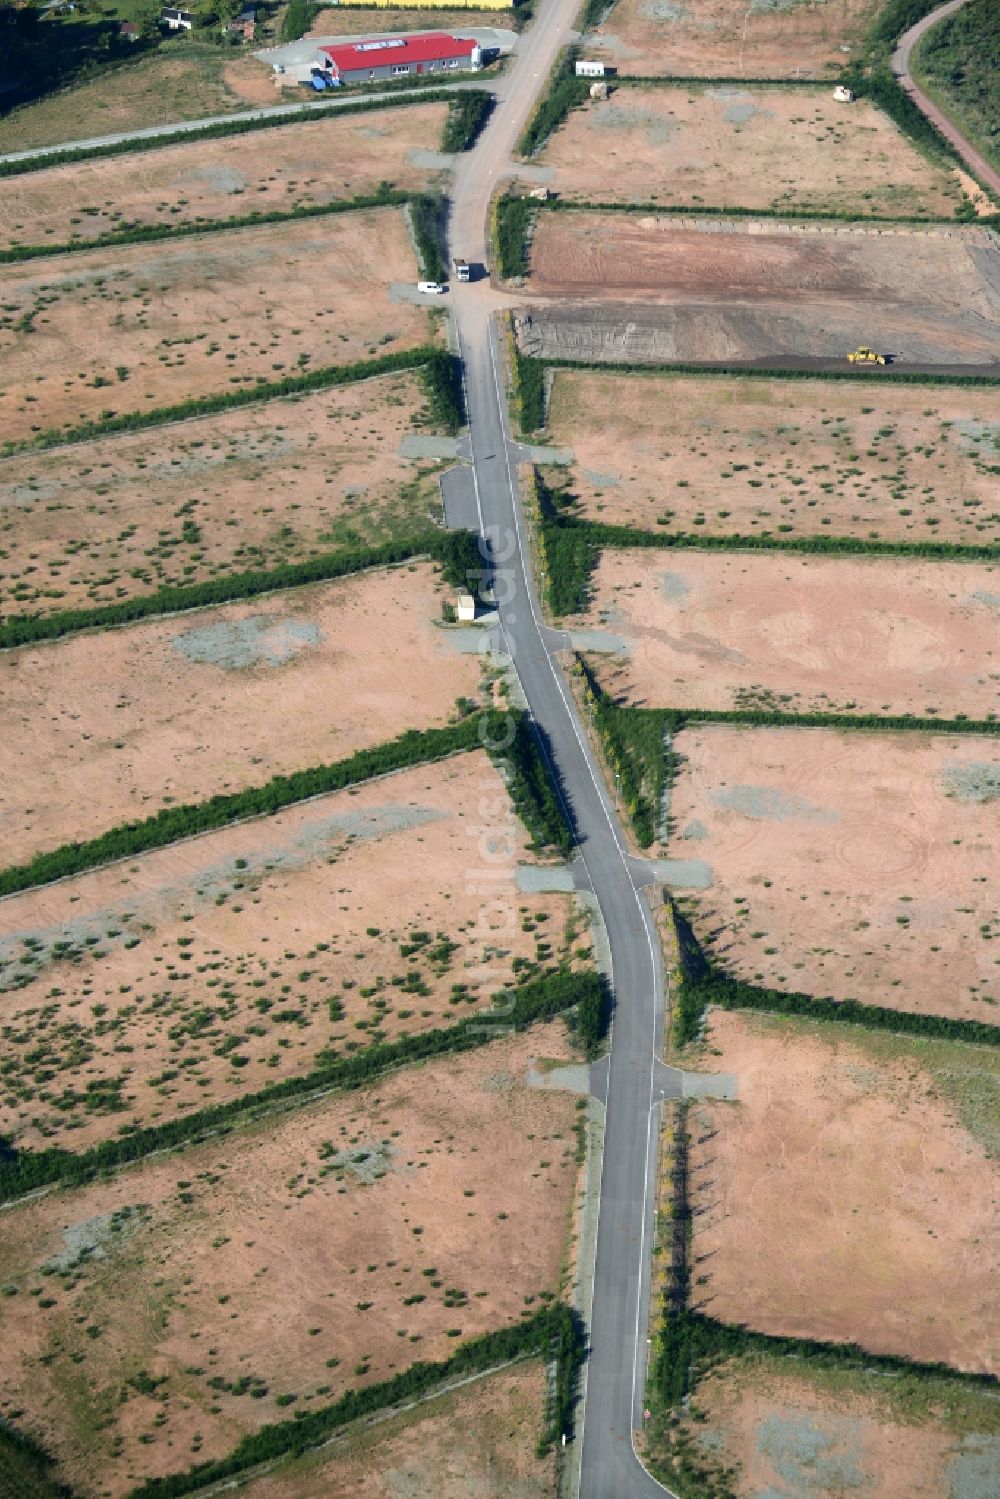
{"x": 865, "y": 355}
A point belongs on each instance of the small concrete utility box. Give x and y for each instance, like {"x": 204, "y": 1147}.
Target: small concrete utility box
{"x": 590, "y": 69}
{"x": 466, "y": 608}
{"x": 843, "y": 95}
{"x": 600, "y": 90}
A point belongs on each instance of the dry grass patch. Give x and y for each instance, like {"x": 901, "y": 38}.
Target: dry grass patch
{"x": 729, "y": 39}
{"x": 289, "y": 1263}
{"x": 155, "y": 90}
{"x": 480, "y": 1440}
{"x": 152, "y": 325}
{"x": 218, "y": 179}
{"x": 851, "y": 1193}
{"x": 101, "y": 729}
{"x": 271, "y": 483}
{"x": 772, "y": 458}
{"x": 739, "y": 148}
{"x": 819, "y": 1434}
{"x": 737, "y": 629}
{"x": 222, "y": 964}
{"x": 851, "y": 865}
{"x": 331, "y": 22}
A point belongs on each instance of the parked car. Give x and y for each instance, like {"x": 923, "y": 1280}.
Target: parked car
{"x": 431, "y": 288}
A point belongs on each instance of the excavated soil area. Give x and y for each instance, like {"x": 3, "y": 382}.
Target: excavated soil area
{"x": 825, "y": 1433}
{"x": 105, "y": 728}
{"x": 745, "y": 629}
{"x": 247, "y": 489}
{"x": 87, "y": 335}
{"x": 195, "y": 1298}
{"x": 727, "y": 147}
{"x": 644, "y": 289}
{"x": 850, "y": 1195}
{"x": 847, "y": 865}
{"x": 228, "y": 962}
{"x": 732, "y": 39}
{"x": 754, "y": 457}
{"x": 477, "y": 1442}
{"x": 270, "y": 170}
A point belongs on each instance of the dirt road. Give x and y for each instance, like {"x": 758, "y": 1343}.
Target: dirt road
{"x": 977, "y": 163}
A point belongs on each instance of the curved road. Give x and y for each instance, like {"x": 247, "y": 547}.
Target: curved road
{"x": 635, "y": 1079}
{"x": 978, "y": 165}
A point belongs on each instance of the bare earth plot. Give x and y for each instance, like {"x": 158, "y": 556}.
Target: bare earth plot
{"x": 721, "y": 630}
{"x": 143, "y": 326}
{"x": 154, "y": 90}
{"x": 270, "y": 483}
{"x": 727, "y": 38}
{"x": 738, "y": 148}
{"x": 850, "y": 865}
{"x": 225, "y": 963}
{"x": 323, "y": 1250}
{"x": 720, "y": 290}
{"x": 769, "y": 457}
{"x": 103, "y": 728}
{"x": 478, "y": 1442}
{"x": 219, "y": 179}
{"x": 826, "y": 1433}
{"x": 354, "y": 21}
{"x": 851, "y": 1193}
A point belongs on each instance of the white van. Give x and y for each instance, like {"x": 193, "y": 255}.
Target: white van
{"x": 431, "y": 288}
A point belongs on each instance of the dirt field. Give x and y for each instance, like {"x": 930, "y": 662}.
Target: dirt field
{"x": 178, "y": 505}
{"x": 769, "y": 149}
{"x": 851, "y": 1194}
{"x": 677, "y": 288}
{"x": 827, "y": 1433}
{"x": 150, "y": 325}
{"x": 479, "y": 1442}
{"x": 238, "y": 1261}
{"x": 315, "y": 934}
{"x": 221, "y": 179}
{"x": 901, "y": 831}
{"x": 720, "y": 630}
{"x": 726, "y": 38}
{"x": 155, "y": 90}
{"x": 897, "y": 464}
{"x": 355, "y": 21}
{"x": 103, "y": 728}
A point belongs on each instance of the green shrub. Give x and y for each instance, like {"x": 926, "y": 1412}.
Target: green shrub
{"x": 297, "y": 19}
{"x": 564, "y": 92}
{"x": 515, "y": 216}
{"x": 466, "y": 119}
{"x": 428, "y": 215}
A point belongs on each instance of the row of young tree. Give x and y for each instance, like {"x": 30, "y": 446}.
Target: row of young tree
{"x": 556, "y": 992}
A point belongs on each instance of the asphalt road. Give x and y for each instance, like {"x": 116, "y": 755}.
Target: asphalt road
{"x": 974, "y": 160}
{"x": 612, "y": 1411}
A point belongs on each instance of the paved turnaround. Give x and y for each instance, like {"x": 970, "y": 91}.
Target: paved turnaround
{"x": 617, "y": 1362}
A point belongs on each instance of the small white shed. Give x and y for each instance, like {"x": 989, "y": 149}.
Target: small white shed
{"x": 466, "y": 610}
{"x": 843, "y": 95}
{"x": 590, "y": 69}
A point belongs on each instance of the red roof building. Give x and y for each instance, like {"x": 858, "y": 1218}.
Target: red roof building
{"x": 395, "y": 57}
